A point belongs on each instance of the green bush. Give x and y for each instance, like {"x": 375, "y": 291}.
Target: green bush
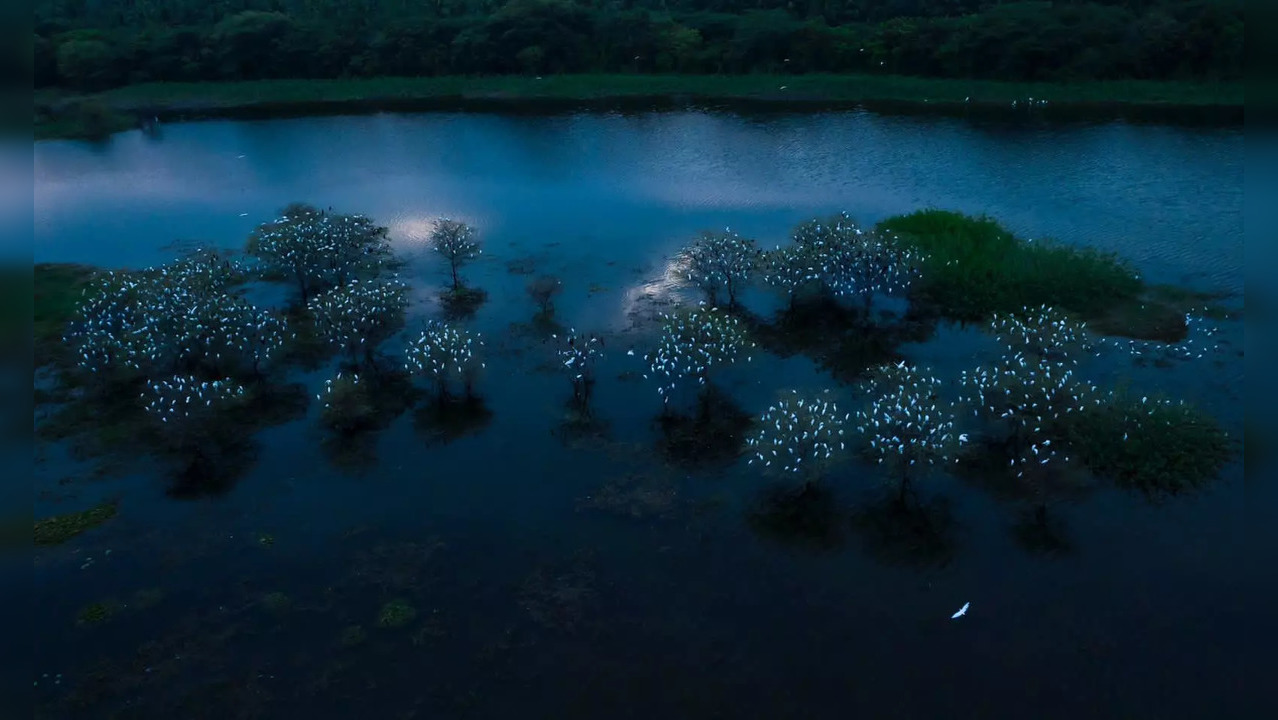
{"x": 975, "y": 268}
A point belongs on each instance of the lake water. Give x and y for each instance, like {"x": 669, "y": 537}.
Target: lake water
{"x": 530, "y": 599}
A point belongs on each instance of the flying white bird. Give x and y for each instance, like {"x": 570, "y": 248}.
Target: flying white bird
{"x": 961, "y": 611}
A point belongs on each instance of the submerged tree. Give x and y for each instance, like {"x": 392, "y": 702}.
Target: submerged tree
{"x": 720, "y": 261}
{"x": 578, "y": 353}
{"x": 359, "y": 316}
{"x": 692, "y": 344}
{"x": 905, "y": 427}
{"x": 446, "y": 355}
{"x": 455, "y": 241}
{"x": 799, "y": 436}
{"x": 542, "y": 291}
{"x": 319, "y": 250}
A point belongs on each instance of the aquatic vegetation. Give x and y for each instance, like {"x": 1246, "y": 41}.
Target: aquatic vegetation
{"x": 462, "y": 302}
{"x": 1195, "y": 339}
{"x": 95, "y": 613}
{"x": 558, "y": 599}
{"x": 974, "y": 268}
{"x": 692, "y": 344}
{"x": 640, "y": 496}
{"x": 1154, "y": 445}
{"x": 347, "y": 406}
{"x": 58, "y": 529}
{"x": 542, "y": 291}
{"x": 456, "y": 242}
{"x": 359, "y": 316}
{"x": 446, "y": 355}
{"x": 396, "y": 613}
{"x": 800, "y": 436}
{"x": 1043, "y": 332}
{"x": 719, "y": 261}
{"x": 352, "y": 635}
{"x": 906, "y": 428}
{"x": 276, "y": 602}
{"x": 578, "y": 355}
{"x": 318, "y": 249}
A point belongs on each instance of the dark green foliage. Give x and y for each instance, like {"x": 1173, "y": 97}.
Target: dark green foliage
{"x": 1153, "y": 445}
{"x": 975, "y": 268}
{"x": 92, "y": 45}
{"x": 60, "y": 528}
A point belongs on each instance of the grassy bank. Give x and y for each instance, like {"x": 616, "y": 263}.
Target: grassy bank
{"x": 60, "y": 115}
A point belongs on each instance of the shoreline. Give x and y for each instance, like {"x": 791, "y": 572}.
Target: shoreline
{"x": 66, "y": 116}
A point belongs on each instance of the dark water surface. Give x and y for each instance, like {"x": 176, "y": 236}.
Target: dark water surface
{"x": 531, "y": 600}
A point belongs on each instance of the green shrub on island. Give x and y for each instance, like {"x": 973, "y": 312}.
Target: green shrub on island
{"x": 1151, "y": 444}
{"x": 318, "y": 249}
{"x": 974, "y": 268}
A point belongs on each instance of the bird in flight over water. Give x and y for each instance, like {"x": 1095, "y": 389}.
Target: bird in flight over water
{"x": 961, "y": 611}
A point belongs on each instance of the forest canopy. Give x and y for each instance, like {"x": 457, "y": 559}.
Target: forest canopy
{"x": 97, "y": 44}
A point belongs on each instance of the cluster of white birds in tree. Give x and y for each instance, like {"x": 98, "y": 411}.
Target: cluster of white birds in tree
{"x": 578, "y": 354}
{"x": 906, "y": 426}
{"x": 319, "y": 249}
{"x": 1030, "y": 395}
{"x": 173, "y": 317}
{"x": 693, "y": 343}
{"x": 1043, "y": 332}
{"x": 799, "y": 435}
{"x": 183, "y": 396}
{"x": 335, "y": 387}
{"x": 456, "y": 242}
{"x": 845, "y": 259}
{"x": 719, "y": 261}
{"x": 358, "y": 316}
{"x": 445, "y": 354}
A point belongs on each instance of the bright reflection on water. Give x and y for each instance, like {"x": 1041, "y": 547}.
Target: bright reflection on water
{"x": 531, "y": 603}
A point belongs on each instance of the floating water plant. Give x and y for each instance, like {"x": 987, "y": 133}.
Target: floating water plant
{"x": 359, "y": 316}
{"x": 456, "y": 242}
{"x": 692, "y": 344}
{"x": 719, "y": 262}
{"x": 446, "y": 356}
{"x": 319, "y": 250}
{"x": 396, "y": 613}
{"x": 799, "y": 436}
{"x": 61, "y": 528}
{"x": 906, "y": 427}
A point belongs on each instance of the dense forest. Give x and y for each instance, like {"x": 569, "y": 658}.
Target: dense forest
{"x": 96, "y": 44}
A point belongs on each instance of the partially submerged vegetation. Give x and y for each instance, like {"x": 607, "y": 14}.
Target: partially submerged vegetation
{"x": 58, "y": 529}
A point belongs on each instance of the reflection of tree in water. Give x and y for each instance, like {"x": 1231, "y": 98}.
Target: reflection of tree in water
{"x": 213, "y": 467}
{"x": 804, "y": 517}
{"x": 713, "y": 434}
{"x": 842, "y": 339}
{"x": 443, "y": 420}
{"x": 1040, "y": 532}
{"x": 910, "y": 532}
{"x": 580, "y": 426}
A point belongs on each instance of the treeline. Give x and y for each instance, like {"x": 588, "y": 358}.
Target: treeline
{"x": 96, "y": 44}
